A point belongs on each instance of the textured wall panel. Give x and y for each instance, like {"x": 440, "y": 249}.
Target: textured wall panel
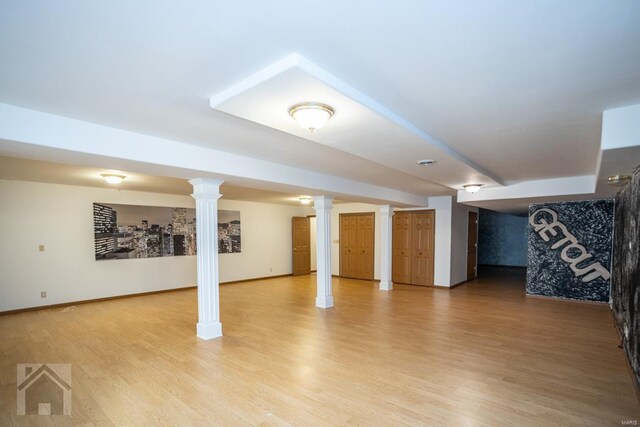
{"x": 502, "y": 239}
{"x": 570, "y": 250}
{"x": 625, "y": 293}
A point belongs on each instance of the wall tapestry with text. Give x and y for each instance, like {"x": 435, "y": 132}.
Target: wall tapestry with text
{"x": 570, "y": 250}
{"x": 132, "y": 231}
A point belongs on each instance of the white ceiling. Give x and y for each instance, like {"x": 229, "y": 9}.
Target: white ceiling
{"x": 515, "y": 87}
{"x": 359, "y": 126}
{"x": 88, "y": 176}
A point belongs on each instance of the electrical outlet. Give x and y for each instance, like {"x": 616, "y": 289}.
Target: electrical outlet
{"x": 41, "y": 248}
{"x": 43, "y": 294}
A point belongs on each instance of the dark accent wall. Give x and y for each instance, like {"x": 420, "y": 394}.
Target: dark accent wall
{"x": 625, "y": 292}
{"x": 502, "y": 239}
{"x": 570, "y": 250}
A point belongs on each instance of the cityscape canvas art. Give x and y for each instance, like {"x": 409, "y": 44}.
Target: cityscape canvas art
{"x": 132, "y": 231}
{"x": 228, "y": 232}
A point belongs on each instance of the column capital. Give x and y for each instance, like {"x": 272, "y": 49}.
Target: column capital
{"x": 386, "y": 210}
{"x": 322, "y": 202}
{"x": 206, "y": 188}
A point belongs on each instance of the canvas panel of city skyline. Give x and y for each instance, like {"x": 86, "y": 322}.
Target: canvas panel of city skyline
{"x": 229, "y": 240}
{"x": 131, "y": 231}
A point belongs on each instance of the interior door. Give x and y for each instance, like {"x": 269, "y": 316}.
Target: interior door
{"x": 401, "y": 252}
{"x": 472, "y": 246}
{"x": 422, "y": 248}
{"x": 348, "y": 246}
{"x": 301, "y": 245}
{"x": 365, "y": 241}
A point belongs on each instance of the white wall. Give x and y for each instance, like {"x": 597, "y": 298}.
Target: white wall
{"x": 450, "y": 238}
{"x": 450, "y": 258}
{"x": 61, "y": 218}
{"x": 442, "y": 267}
{"x": 620, "y": 127}
{"x": 459, "y": 239}
{"x": 266, "y": 241}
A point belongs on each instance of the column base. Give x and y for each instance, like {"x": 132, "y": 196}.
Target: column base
{"x": 209, "y": 331}
{"x": 324, "y": 302}
{"x": 386, "y": 286}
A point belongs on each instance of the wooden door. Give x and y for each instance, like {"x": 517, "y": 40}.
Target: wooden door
{"x": 422, "y": 244}
{"x": 401, "y": 248}
{"x": 348, "y": 245}
{"x": 365, "y": 241}
{"x": 301, "y": 245}
{"x": 356, "y": 245}
{"x": 472, "y": 246}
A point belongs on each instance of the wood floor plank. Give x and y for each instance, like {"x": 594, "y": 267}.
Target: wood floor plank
{"x": 479, "y": 354}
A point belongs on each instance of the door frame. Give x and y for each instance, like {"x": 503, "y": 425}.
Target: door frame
{"x": 477, "y": 214}
{"x": 373, "y": 251}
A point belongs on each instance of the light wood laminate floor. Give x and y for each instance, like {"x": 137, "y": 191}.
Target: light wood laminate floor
{"x": 479, "y": 354}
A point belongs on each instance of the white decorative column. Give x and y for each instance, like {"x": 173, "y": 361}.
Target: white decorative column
{"x": 386, "y": 217}
{"x": 207, "y": 192}
{"x": 323, "y": 205}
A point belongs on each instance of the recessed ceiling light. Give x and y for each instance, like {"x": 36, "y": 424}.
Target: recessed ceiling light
{"x": 425, "y": 162}
{"x": 472, "y": 188}
{"x": 618, "y": 179}
{"x": 305, "y": 200}
{"x": 112, "y": 179}
{"x": 311, "y": 115}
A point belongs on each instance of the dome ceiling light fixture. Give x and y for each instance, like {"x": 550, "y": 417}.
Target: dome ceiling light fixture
{"x": 425, "y": 162}
{"x": 472, "y": 188}
{"x": 311, "y": 115}
{"x": 305, "y": 200}
{"x": 113, "y": 179}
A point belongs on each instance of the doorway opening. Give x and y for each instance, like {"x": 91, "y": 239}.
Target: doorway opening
{"x": 502, "y": 243}
{"x": 472, "y": 246}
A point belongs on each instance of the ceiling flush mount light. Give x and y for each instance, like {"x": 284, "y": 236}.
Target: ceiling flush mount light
{"x": 619, "y": 180}
{"x": 112, "y": 179}
{"x": 472, "y": 188}
{"x": 311, "y": 115}
{"x": 305, "y": 200}
{"x": 425, "y": 162}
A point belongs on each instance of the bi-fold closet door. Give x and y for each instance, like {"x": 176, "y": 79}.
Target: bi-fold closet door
{"x": 413, "y": 247}
{"x": 356, "y": 245}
